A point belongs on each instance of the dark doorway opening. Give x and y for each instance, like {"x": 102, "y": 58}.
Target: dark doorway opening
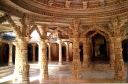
{"x": 63, "y": 53}
{"x": 29, "y": 53}
{"x": 99, "y": 49}
{"x": 4, "y": 54}
{"x": 81, "y": 52}
{"x": 13, "y": 54}
{"x": 125, "y": 50}
{"x": 36, "y": 53}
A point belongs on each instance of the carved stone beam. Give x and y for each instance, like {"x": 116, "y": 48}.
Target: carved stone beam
{"x": 38, "y": 31}
{"x": 24, "y": 26}
{"x": 34, "y": 27}
{"x": 117, "y": 24}
{"x": 62, "y": 30}
{"x": 15, "y": 27}
{"x": 42, "y": 30}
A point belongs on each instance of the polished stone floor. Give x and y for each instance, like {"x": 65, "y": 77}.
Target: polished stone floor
{"x": 61, "y": 74}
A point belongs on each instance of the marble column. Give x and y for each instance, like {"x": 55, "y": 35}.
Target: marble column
{"x": 21, "y": 62}
{"x": 10, "y": 62}
{"x": 49, "y": 52}
{"x": 60, "y": 52}
{"x": 112, "y": 53}
{"x": 34, "y": 52}
{"x": 43, "y": 64}
{"x": 119, "y": 63}
{"x": 76, "y": 65}
{"x": 85, "y": 53}
{"x": 67, "y": 52}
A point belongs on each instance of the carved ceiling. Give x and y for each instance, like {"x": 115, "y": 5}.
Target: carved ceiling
{"x": 60, "y": 13}
{"x": 41, "y": 11}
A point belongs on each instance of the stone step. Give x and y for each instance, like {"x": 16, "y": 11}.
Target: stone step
{"x": 5, "y": 71}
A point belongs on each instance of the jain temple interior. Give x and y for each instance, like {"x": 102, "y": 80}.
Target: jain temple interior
{"x": 63, "y": 41}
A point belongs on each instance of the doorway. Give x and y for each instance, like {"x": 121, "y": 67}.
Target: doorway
{"x": 99, "y": 49}
{"x": 125, "y": 50}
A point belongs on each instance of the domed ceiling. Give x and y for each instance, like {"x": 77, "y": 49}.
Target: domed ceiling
{"x": 65, "y": 10}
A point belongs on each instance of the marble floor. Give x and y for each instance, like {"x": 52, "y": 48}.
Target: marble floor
{"x": 61, "y": 74}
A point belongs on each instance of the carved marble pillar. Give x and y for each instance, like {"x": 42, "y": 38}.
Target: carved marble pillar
{"x": 119, "y": 64}
{"x": 76, "y": 65}
{"x": 10, "y": 62}
{"x": 49, "y": 52}
{"x": 85, "y": 53}
{"x": 43, "y": 61}
{"x": 60, "y": 52}
{"x": 21, "y": 61}
{"x": 112, "y": 53}
{"x": 67, "y": 52}
{"x": 33, "y": 52}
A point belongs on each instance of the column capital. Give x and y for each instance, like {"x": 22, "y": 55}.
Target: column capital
{"x": 67, "y": 43}
{"x": 59, "y": 41}
{"x": 33, "y": 44}
{"x": 49, "y": 43}
{"x": 10, "y": 43}
{"x": 23, "y": 39}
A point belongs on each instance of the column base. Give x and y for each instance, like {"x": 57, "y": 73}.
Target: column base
{"x": 119, "y": 78}
{"x": 60, "y": 63}
{"x": 10, "y": 64}
{"x": 75, "y": 75}
{"x": 49, "y": 61}
{"x": 44, "y": 77}
{"x": 67, "y": 61}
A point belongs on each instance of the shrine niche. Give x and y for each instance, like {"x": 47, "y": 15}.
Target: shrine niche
{"x": 99, "y": 46}
{"x": 81, "y": 51}
{"x": 99, "y": 49}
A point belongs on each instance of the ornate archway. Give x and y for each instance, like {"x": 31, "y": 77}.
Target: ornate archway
{"x": 99, "y": 49}
{"x": 98, "y": 45}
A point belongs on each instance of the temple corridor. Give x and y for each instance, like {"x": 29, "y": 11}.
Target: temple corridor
{"x": 63, "y": 41}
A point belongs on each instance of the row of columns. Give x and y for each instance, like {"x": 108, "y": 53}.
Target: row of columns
{"x": 49, "y": 53}
{"x": 21, "y": 71}
{"x": 22, "y": 66}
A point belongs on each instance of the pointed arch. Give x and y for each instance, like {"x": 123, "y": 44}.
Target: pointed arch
{"x": 98, "y": 29}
